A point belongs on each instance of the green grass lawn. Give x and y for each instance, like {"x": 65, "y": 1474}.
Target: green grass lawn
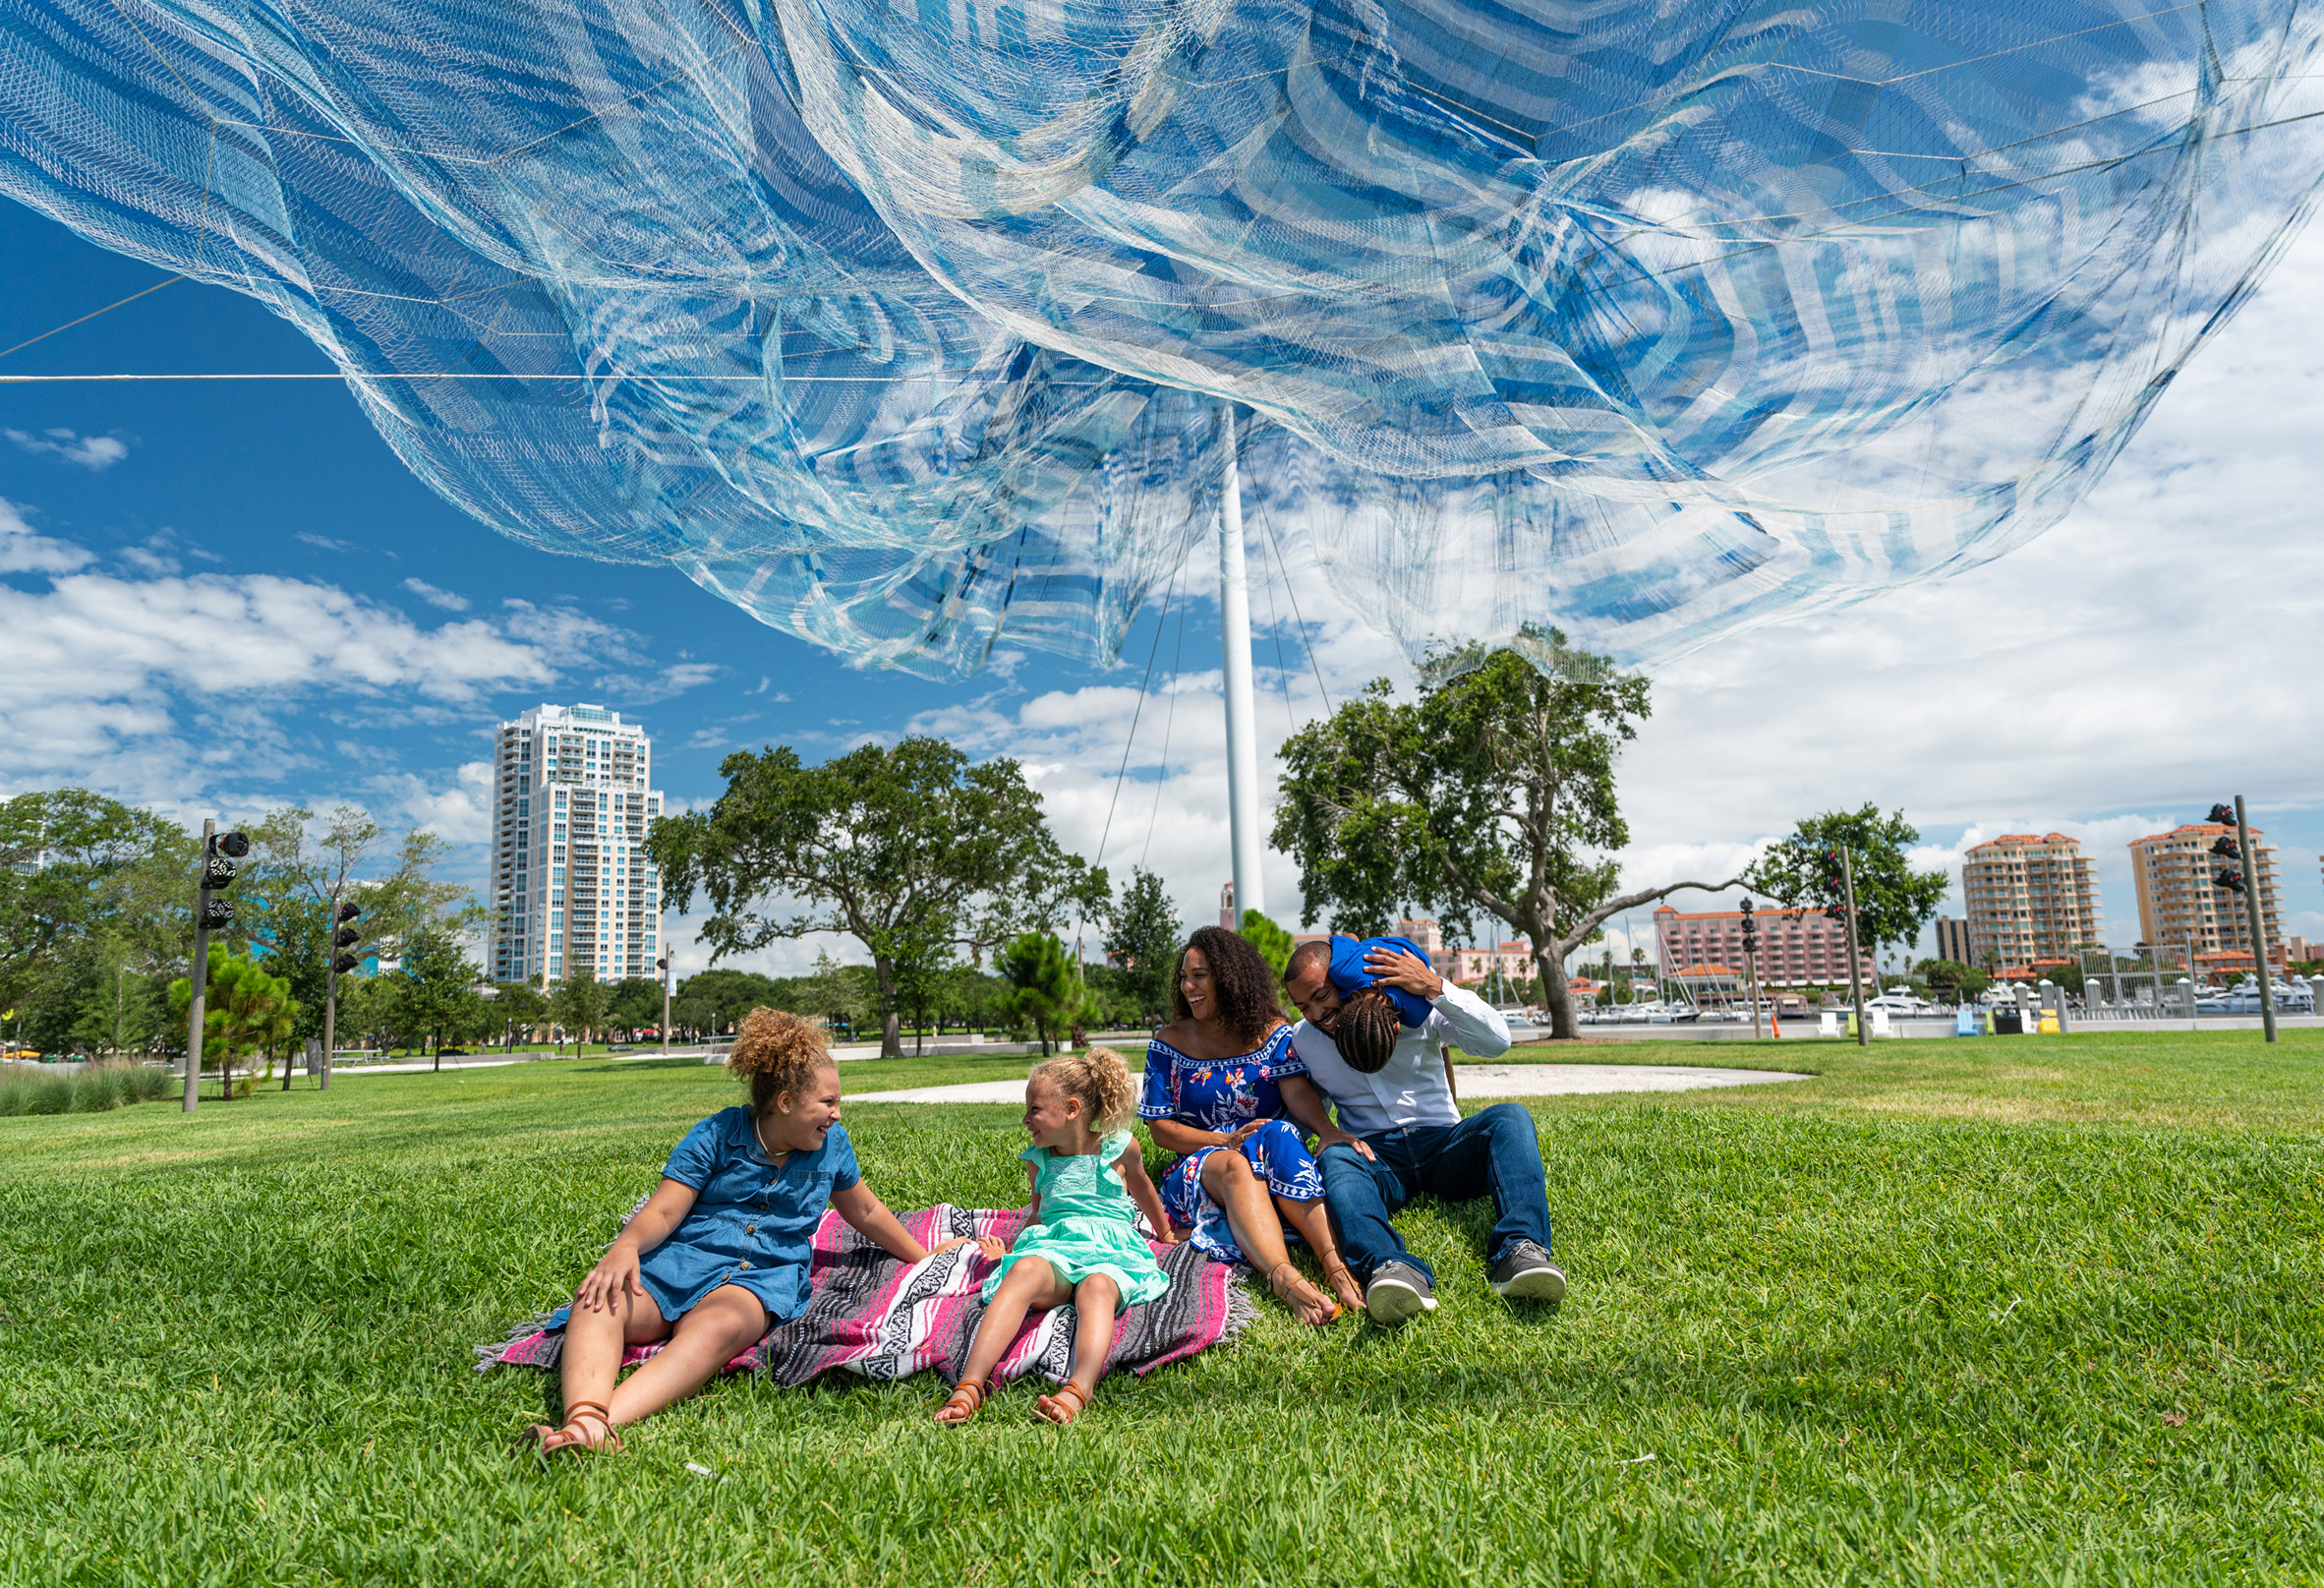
{"x": 2000, "y": 1311}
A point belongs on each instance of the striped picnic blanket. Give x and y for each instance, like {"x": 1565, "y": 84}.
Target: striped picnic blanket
{"x": 873, "y": 1315}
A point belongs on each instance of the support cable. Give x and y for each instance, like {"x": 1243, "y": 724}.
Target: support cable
{"x": 1169, "y": 717}
{"x": 1137, "y": 712}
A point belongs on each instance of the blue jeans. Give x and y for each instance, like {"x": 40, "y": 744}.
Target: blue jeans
{"x": 1493, "y": 1153}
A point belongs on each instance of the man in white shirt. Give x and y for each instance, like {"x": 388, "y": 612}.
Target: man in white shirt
{"x": 1400, "y": 1134}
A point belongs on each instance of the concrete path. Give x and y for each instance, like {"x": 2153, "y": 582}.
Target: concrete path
{"x": 1474, "y": 1081}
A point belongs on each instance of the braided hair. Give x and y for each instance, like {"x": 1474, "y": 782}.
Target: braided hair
{"x": 1365, "y": 1031}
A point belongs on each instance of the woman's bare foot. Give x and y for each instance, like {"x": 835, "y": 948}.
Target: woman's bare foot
{"x": 1307, "y": 1304}
{"x": 1344, "y": 1286}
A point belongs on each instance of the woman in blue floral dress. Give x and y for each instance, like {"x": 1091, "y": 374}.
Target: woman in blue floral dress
{"x": 1214, "y": 1094}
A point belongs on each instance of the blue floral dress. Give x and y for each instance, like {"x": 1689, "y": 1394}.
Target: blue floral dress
{"x": 751, "y": 1224}
{"x": 1223, "y": 1095}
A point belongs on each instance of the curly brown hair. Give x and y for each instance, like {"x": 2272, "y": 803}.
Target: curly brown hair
{"x": 1100, "y": 1079}
{"x": 777, "y": 1052}
{"x": 1365, "y": 1031}
{"x": 1240, "y": 980}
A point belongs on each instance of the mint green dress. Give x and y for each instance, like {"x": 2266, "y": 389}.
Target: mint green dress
{"x": 1089, "y": 1224}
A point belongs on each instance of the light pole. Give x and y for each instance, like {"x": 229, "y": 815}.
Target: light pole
{"x": 1749, "y": 952}
{"x": 2259, "y": 938}
{"x": 663, "y": 965}
{"x": 1855, "y": 965}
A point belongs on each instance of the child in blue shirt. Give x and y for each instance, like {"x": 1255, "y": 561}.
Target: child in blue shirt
{"x": 721, "y": 1249}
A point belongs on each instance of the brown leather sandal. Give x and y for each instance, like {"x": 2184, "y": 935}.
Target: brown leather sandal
{"x": 1052, "y": 1408}
{"x": 1333, "y": 1275}
{"x": 575, "y": 1434}
{"x": 967, "y": 1398}
{"x": 1285, "y": 1293}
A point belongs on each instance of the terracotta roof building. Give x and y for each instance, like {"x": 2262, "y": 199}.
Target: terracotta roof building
{"x": 2177, "y": 901}
{"x": 2029, "y": 896}
{"x": 1797, "y": 948}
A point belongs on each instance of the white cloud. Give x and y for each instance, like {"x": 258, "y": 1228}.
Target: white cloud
{"x": 24, "y": 552}
{"x": 434, "y": 597}
{"x": 91, "y": 452}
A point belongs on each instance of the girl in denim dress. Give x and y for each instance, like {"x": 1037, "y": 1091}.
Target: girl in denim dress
{"x": 719, "y": 1250}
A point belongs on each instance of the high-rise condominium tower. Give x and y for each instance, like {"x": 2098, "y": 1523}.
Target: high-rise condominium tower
{"x": 2179, "y": 901}
{"x": 572, "y": 888}
{"x": 2031, "y": 896}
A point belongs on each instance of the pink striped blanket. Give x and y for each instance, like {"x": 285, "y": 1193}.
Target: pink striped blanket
{"x": 873, "y": 1315}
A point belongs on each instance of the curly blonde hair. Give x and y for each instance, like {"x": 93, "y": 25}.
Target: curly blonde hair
{"x": 1100, "y": 1079}
{"x": 777, "y": 1052}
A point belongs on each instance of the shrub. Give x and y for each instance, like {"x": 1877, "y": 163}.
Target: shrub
{"x": 26, "y": 1088}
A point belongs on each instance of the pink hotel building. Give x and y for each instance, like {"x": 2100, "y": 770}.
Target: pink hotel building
{"x": 1796, "y": 948}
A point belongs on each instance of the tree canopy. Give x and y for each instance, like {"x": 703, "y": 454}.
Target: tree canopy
{"x": 912, "y": 849}
{"x": 1893, "y": 901}
{"x": 1143, "y": 935}
{"x": 1492, "y": 795}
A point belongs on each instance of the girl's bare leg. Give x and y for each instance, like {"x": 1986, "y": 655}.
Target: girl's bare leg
{"x": 721, "y": 1328}
{"x": 1095, "y": 1301}
{"x": 1030, "y": 1285}
{"x": 1313, "y": 1223}
{"x": 594, "y": 1341}
{"x": 1250, "y": 1214}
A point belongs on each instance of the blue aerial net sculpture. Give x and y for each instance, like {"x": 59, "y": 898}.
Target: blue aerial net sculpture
{"x": 907, "y": 325}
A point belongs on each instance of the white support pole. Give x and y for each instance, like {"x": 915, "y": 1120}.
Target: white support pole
{"x": 1234, "y": 615}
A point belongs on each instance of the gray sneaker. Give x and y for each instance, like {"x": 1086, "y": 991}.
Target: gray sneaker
{"x": 1397, "y": 1293}
{"x": 1526, "y": 1274}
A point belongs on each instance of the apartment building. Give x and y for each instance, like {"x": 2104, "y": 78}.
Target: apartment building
{"x": 1797, "y": 948}
{"x": 2029, "y": 896}
{"x": 2177, "y": 901}
{"x": 571, "y": 887}
{"x": 1953, "y": 940}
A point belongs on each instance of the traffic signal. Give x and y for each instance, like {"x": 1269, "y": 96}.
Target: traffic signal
{"x": 2222, "y": 815}
{"x": 345, "y": 938}
{"x": 1750, "y": 929}
{"x": 217, "y": 872}
{"x": 2226, "y": 848}
{"x": 2232, "y": 881}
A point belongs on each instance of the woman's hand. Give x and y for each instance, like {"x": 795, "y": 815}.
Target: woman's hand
{"x": 613, "y": 1279}
{"x": 1242, "y": 1133}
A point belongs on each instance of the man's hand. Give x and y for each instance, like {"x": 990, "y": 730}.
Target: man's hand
{"x": 1335, "y": 1137}
{"x": 1407, "y": 972}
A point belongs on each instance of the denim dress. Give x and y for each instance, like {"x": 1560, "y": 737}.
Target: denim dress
{"x": 751, "y": 1224}
{"x": 1223, "y": 1095}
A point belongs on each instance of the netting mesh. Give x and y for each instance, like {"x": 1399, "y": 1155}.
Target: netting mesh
{"x": 905, "y": 326}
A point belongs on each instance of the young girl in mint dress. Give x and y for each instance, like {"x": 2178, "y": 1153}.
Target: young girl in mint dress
{"x": 1080, "y": 1243}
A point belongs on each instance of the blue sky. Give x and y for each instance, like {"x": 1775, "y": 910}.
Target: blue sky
{"x": 222, "y": 596}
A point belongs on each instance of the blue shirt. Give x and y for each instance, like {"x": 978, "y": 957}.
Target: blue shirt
{"x": 751, "y": 1224}
{"x": 1348, "y": 973}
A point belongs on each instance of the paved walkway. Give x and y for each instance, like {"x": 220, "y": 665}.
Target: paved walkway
{"x": 1473, "y": 1080}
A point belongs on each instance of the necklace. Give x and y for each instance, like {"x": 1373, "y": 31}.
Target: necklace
{"x": 779, "y": 1160}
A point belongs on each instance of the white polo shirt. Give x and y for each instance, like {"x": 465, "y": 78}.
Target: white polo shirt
{"x": 1410, "y": 1088}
